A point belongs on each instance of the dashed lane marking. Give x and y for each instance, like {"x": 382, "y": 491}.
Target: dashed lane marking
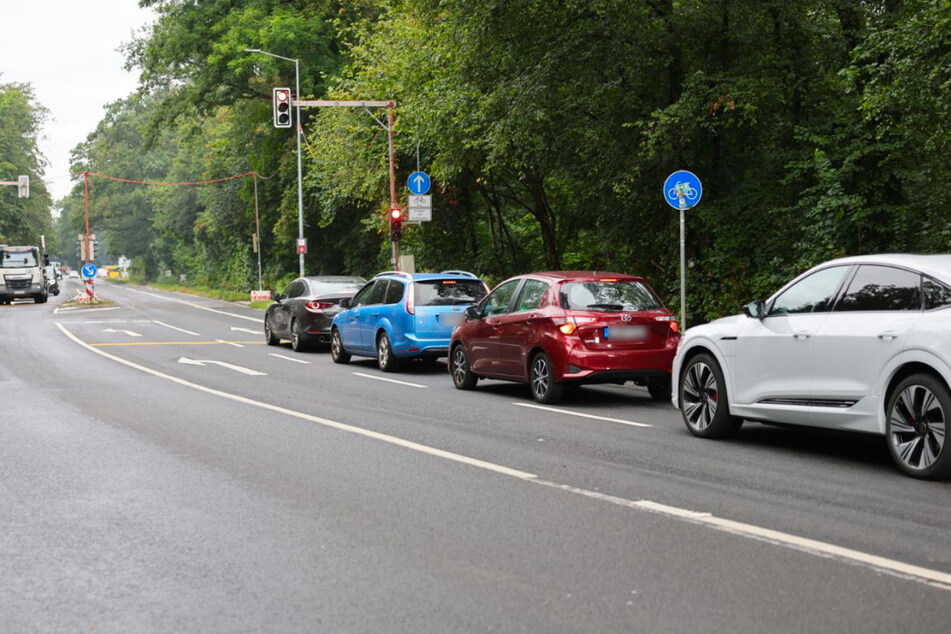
{"x": 187, "y": 332}
{"x": 582, "y": 415}
{"x": 281, "y": 356}
{"x": 380, "y": 378}
{"x": 176, "y": 343}
{"x": 194, "y": 305}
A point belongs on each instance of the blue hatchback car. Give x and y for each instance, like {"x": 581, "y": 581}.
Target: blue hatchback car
{"x": 399, "y": 315}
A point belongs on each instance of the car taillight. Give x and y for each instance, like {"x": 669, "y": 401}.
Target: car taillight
{"x": 315, "y": 307}
{"x": 671, "y": 319}
{"x": 411, "y": 299}
{"x": 567, "y": 325}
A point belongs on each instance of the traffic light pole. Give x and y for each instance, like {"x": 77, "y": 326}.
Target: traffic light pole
{"x": 300, "y": 183}
{"x": 391, "y": 120}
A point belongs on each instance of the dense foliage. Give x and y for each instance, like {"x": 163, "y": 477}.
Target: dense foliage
{"x": 22, "y": 220}
{"x": 819, "y": 129}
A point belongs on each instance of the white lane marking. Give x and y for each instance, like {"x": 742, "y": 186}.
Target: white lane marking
{"x": 65, "y": 309}
{"x": 380, "y": 378}
{"x": 128, "y": 332}
{"x": 194, "y": 305}
{"x": 230, "y": 343}
{"x": 230, "y": 366}
{"x": 934, "y": 578}
{"x": 393, "y": 440}
{"x": 570, "y": 413}
{"x": 187, "y": 332}
{"x": 281, "y": 356}
{"x": 253, "y": 332}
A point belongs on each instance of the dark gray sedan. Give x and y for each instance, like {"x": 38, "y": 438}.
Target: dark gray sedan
{"x": 304, "y": 311}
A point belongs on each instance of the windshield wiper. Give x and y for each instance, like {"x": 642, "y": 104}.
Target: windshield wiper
{"x": 606, "y": 306}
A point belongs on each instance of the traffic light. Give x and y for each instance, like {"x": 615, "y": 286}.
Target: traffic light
{"x": 23, "y": 187}
{"x": 282, "y": 107}
{"x": 396, "y": 224}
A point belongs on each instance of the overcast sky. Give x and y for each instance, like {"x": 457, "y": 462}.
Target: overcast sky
{"x": 68, "y": 50}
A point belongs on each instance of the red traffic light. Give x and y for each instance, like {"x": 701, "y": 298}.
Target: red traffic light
{"x": 282, "y": 107}
{"x": 281, "y": 95}
{"x": 396, "y": 214}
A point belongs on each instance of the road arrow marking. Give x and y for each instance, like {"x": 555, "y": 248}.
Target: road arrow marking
{"x": 380, "y": 378}
{"x": 236, "y": 368}
{"x": 582, "y": 415}
{"x": 253, "y": 332}
{"x": 128, "y": 332}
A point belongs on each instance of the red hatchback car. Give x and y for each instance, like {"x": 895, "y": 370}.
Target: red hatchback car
{"x": 563, "y": 328}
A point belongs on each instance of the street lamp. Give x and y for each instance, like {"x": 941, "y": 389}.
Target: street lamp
{"x": 300, "y": 185}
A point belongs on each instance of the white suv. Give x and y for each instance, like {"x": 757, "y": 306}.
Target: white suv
{"x": 861, "y": 344}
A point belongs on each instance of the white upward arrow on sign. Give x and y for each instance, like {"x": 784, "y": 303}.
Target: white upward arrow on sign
{"x": 236, "y": 368}
{"x": 128, "y": 332}
{"x": 253, "y": 332}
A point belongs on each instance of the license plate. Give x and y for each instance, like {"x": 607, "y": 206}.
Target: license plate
{"x": 452, "y": 319}
{"x": 625, "y": 333}
{"x": 19, "y": 292}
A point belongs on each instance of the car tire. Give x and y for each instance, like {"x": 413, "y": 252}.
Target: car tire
{"x": 299, "y": 341}
{"x": 704, "y": 402}
{"x": 542, "y": 380}
{"x": 41, "y": 298}
{"x": 337, "y": 352}
{"x": 269, "y": 337}
{"x": 462, "y": 376}
{"x": 384, "y": 354}
{"x": 916, "y": 426}
{"x": 659, "y": 389}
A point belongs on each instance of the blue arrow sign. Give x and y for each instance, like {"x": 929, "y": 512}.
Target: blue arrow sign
{"x": 89, "y": 270}
{"x": 682, "y": 188}
{"x": 418, "y": 183}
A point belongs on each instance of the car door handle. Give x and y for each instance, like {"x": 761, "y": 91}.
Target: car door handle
{"x": 802, "y": 335}
{"x": 887, "y": 335}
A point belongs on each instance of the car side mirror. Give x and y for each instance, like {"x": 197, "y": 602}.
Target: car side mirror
{"x": 345, "y": 303}
{"x": 473, "y": 313}
{"x": 46, "y": 260}
{"x": 755, "y": 309}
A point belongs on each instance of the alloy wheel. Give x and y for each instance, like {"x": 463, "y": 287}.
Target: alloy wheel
{"x": 917, "y": 426}
{"x": 700, "y": 396}
{"x": 541, "y": 376}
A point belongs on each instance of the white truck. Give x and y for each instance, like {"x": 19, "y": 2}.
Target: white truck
{"x": 23, "y": 274}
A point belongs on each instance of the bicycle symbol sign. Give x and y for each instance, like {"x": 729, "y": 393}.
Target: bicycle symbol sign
{"x": 682, "y": 188}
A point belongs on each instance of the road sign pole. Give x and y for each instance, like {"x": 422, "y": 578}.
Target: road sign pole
{"x": 300, "y": 182}
{"x": 391, "y": 120}
{"x": 683, "y": 268}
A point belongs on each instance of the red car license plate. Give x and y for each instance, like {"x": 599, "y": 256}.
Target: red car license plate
{"x": 625, "y": 333}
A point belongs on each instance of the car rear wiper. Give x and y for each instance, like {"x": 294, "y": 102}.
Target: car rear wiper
{"x": 606, "y": 306}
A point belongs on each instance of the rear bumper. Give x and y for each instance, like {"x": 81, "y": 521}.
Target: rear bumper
{"x": 606, "y": 366}
{"x": 412, "y": 346}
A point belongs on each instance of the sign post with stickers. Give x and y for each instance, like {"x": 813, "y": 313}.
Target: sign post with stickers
{"x": 682, "y": 190}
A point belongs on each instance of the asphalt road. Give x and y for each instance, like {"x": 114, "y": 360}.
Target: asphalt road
{"x": 283, "y": 493}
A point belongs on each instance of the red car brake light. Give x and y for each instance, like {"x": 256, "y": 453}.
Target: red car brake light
{"x": 316, "y": 307}
{"x": 411, "y": 299}
{"x": 672, "y": 321}
{"x": 567, "y": 325}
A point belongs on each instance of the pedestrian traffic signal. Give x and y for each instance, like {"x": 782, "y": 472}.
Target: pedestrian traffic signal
{"x": 396, "y": 224}
{"x": 282, "y": 107}
{"x": 23, "y": 187}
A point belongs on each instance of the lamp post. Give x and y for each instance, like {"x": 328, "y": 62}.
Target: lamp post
{"x": 297, "y": 131}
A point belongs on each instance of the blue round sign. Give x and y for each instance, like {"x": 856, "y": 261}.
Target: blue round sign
{"x": 682, "y": 190}
{"x": 89, "y": 270}
{"x": 418, "y": 183}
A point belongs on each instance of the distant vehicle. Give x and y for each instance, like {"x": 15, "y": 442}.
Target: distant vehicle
{"x": 74, "y": 275}
{"x": 567, "y": 328}
{"x": 399, "y": 315}
{"x": 23, "y": 274}
{"x": 304, "y": 311}
{"x": 53, "y": 276}
{"x": 858, "y": 344}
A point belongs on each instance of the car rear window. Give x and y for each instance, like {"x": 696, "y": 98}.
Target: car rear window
{"x": 608, "y": 295}
{"x": 332, "y": 288}
{"x": 448, "y": 292}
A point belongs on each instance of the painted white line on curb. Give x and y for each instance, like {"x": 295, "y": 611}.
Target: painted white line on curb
{"x": 570, "y": 413}
{"x": 933, "y": 578}
{"x": 281, "y": 356}
{"x": 187, "y": 332}
{"x": 393, "y": 440}
{"x": 194, "y": 305}
{"x": 380, "y": 378}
